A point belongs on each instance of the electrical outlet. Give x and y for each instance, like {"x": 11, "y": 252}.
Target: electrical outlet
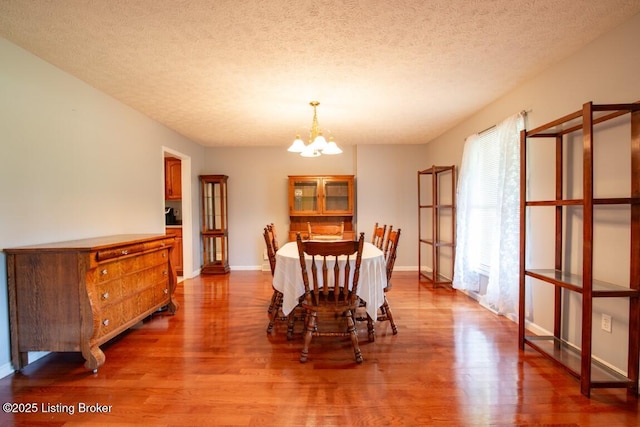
{"x": 606, "y": 323}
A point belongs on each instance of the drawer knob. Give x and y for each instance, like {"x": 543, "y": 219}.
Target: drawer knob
{"x": 166, "y": 291}
{"x": 103, "y": 272}
{"x": 124, "y": 252}
{"x": 105, "y": 295}
{"x": 165, "y": 272}
{"x": 105, "y": 322}
{"x": 164, "y": 254}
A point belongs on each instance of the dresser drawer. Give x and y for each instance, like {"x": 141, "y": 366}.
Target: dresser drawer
{"x": 153, "y": 258}
{"x": 106, "y": 254}
{"x": 105, "y": 272}
{"x": 111, "y": 317}
{"x": 161, "y": 291}
{"x": 152, "y": 296}
{"x": 108, "y": 292}
{"x": 157, "y": 274}
{"x": 145, "y": 261}
{"x": 118, "y": 268}
{"x": 164, "y": 243}
{"x": 133, "y": 283}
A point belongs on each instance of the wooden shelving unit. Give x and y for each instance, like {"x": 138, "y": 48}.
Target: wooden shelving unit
{"x": 580, "y": 361}
{"x": 433, "y": 235}
{"x": 215, "y": 235}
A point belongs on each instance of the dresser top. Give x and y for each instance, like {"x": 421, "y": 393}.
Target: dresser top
{"x": 93, "y": 243}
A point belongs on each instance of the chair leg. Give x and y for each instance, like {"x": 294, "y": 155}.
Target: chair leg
{"x": 292, "y": 321}
{"x": 275, "y": 311}
{"x": 310, "y": 327}
{"x": 371, "y": 329}
{"x": 272, "y": 304}
{"x": 387, "y": 315}
{"x": 354, "y": 337}
{"x": 272, "y": 321}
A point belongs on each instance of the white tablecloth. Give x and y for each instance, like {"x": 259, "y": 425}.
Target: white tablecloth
{"x": 287, "y": 277}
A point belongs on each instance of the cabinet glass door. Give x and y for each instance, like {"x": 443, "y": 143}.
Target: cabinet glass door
{"x": 337, "y": 196}
{"x": 214, "y": 197}
{"x": 305, "y": 196}
{"x": 215, "y": 251}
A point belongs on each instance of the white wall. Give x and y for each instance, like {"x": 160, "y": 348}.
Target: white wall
{"x": 74, "y": 163}
{"x": 386, "y": 192}
{"x": 606, "y": 71}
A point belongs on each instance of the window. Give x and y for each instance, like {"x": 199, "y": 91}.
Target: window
{"x": 483, "y": 197}
{"x": 488, "y": 215}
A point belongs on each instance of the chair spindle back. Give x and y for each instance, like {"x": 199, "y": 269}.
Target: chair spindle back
{"x": 331, "y": 281}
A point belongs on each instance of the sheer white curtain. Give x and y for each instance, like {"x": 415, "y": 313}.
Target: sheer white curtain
{"x": 466, "y": 272}
{"x": 494, "y": 252}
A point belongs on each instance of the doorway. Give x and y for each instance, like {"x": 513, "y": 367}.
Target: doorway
{"x": 183, "y": 206}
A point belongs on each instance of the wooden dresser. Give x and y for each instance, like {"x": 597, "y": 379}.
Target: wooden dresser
{"x": 76, "y": 295}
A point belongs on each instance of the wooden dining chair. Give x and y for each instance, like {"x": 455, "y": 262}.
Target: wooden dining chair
{"x": 326, "y": 231}
{"x": 329, "y": 288}
{"x": 377, "y": 238}
{"x": 390, "y": 251}
{"x": 271, "y": 242}
{"x": 384, "y": 311}
{"x": 275, "y": 305}
{"x": 385, "y": 248}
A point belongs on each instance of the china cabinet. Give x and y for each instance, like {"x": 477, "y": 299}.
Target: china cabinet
{"x": 215, "y": 238}
{"x": 574, "y": 133}
{"x": 321, "y": 200}
{"x": 77, "y": 295}
{"x": 436, "y": 223}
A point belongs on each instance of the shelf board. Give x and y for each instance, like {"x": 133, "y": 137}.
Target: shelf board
{"x": 440, "y": 244}
{"x": 436, "y": 170}
{"x": 569, "y": 357}
{"x": 439, "y": 280}
{"x": 573, "y": 122}
{"x": 437, "y": 206}
{"x": 578, "y": 202}
{"x": 572, "y": 202}
{"x": 574, "y": 283}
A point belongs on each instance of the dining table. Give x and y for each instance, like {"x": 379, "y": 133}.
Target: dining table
{"x": 287, "y": 277}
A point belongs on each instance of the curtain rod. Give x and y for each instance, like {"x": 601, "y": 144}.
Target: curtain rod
{"x": 522, "y": 112}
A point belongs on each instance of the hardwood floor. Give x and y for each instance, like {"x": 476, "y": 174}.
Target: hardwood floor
{"x": 452, "y": 363}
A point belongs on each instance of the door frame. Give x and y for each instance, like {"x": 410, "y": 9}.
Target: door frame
{"x": 187, "y": 209}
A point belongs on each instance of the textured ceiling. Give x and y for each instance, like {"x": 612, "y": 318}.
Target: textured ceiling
{"x": 232, "y": 72}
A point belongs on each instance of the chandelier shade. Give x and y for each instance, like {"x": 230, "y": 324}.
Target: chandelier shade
{"x": 317, "y": 145}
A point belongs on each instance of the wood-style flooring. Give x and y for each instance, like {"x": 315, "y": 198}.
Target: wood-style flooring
{"x": 452, "y": 363}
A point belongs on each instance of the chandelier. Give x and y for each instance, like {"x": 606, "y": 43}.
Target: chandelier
{"x": 317, "y": 144}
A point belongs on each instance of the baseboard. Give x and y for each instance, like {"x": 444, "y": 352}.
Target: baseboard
{"x": 6, "y": 370}
{"x": 193, "y": 274}
{"x": 405, "y": 268}
{"x": 246, "y": 268}
{"x": 533, "y": 328}
{"x": 537, "y": 330}
{"x": 266, "y": 267}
